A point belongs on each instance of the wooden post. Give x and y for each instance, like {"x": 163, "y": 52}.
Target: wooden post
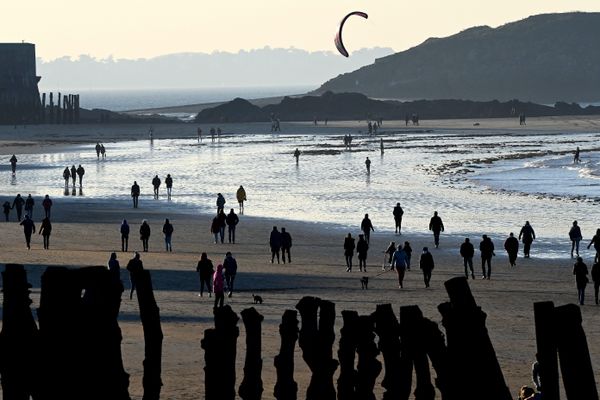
{"x": 388, "y": 330}
{"x": 347, "y": 381}
{"x": 51, "y": 108}
{"x": 252, "y": 385}
{"x": 412, "y": 339}
{"x": 58, "y": 110}
{"x": 547, "y": 356}
{"x": 43, "y": 110}
{"x": 286, "y": 388}
{"x": 369, "y": 367}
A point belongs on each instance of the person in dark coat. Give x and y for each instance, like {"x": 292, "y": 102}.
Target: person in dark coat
{"x": 145, "y": 234}
{"x": 28, "y": 229}
{"x": 80, "y": 172}
{"x": 349, "y": 251}
{"x": 436, "y": 226}
{"x": 511, "y": 245}
{"x": 156, "y": 185}
{"x": 232, "y": 220}
{"x": 390, "y": 253}
{"x": 124, "y": 235}
{"x": 13, "y": 164}
{"x": 486, "y": 247}
{"x": 230, "y": 266}
{"x": 29, "y": 203}
{"x": 18, "y": 204}
{"x": 527, "y": 234}
{"x": 168, "y": 232}
{"x": 45, "y": 231}
{"x": 398, "y": 213}
{"x": 580, "y": 271}
{"x": 286, "y": 245}
{"x": 135, "y": 193}
{"x": 362, "y": 247}
{"x": 367, "y": 226}
{"x": 467, "y": 251}
{"x": 408, "y": 250}
{"x": 6, "y": 208}
{"x": 426, "y": 263}
{"x": 595, "y": 241}
{"x": 575, "y": 236}
{"x": 74, "y": 174}
{"x": 205, "y": 270}
{"x": 114, "y": 268}
{"x": 47, "y": 204}
{"x": 596, "y": 279}
{"x": 215, "y": 228}
{"x": 220, "y": 202}
{"x": 222, "y": 218}
{"x": 169, "y": 184}
{"x": 275, "y": 244}
{"x": 66, "y": 176}
{"x": 134, "y": 266}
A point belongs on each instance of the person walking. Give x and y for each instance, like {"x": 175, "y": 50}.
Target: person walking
{"x": 18, "y": 204}
{"x": 156, "y": 185}
{"x": 102, "y": 151}
{"x": 98, "y": 150}
{"x": 349, "y": 251}
{"x": 66, "y": 176}
{"x": 222, "y": 224}
{"x": 28, "y": 229}
{"x": 595, "y": 241}
{"x": 408, "y": 250}
{"x": 362, "y": 247}
{"x": 528, "y": 236}
{"x": 398, "y": 213}
{"x": 596, "y": 279}
{"x": 426, "y": 264}
{"x": 231, "y": 220}
{"x": 580, "y": 271}
{"x": 275, "y": 244}
{"x": 511, "y": 245}
{"x": 124, "y": 235}
{"x": 169, "y": 184}
{"x": 215, "y": 228}
{"x": 286, "y": 245}
{"x": 486, "y": 247}
{"x": 168, "y": 232}
{"x": 114, "y": 268}
{"x": 576, "y": 158}
{"x": 135, "y": 193}
{"x": 29, "y": 203}
{"x": 368, "y": 165}
{"x": 74, "y": 174}
{"x": 6, "y": 208}
{"x": 467, "y": 251}
{"x": 47, "y": 204}
{"x": 297, "y": 155}
{"x": 230, "y": 266}
{"x": 388, "y": 254}
{"x": 134, "y": 266}
{"x": 219, "y": 286}
{"x": 145, "y": 235}
{"x": 241, "y": 198}
{"x": 367, "y": 226}
{"x": 575, "y": 236}
{"x": 45, "y": 231}
{"x": 220, "y": 202}
{"x": 80, "y": 173}
{"x": 399, "y": 264}
{"x": 436, "y": 226}
{"x": 13, "y": 164}
{"x": 205, "y": 270}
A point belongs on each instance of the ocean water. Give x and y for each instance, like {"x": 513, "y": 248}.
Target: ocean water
{"x": 479, "y": 183}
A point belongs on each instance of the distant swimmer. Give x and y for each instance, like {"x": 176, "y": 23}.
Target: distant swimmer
{"x": 368, "y": 165}
{"x": 169, "y": 183}
{"x": 528, "y": 235}
{"x": 297, "y": 155}
{"x": 576, "y": 159}
{"x": 241, "y": 197}
{"x": 436, "y": 226}
{"x": 135, "y": 193}
{"x": 13, "y": 164}
{"x": 156, "y": 185}
{"x": 80, "y": 172}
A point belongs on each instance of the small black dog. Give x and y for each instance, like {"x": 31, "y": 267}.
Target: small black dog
{"x": 257, "y": 299}
{"x": 364, "y": 282}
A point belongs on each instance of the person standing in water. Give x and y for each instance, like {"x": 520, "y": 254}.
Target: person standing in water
{"x": 241, "y": 197}
{"x": 576, "y": 159}
{"x": 528, "y": 235}
{"x": 135, "y": 193}
{"x": 74, "y": 174}
{"x": 156, "y": 185}
{"x": 511, "y": 245}
{"x": 169, "y": 183}
{"x": 199, "y": 135}
{"x": 436, "y": 226}
{"x": 575, "y": 236}
{"x": 381, "y": 145}
{"x": 13, "y": 164}
{"x": 297, "y": 155}
{"x": 45, "y": 231}
{"x": 349, "y": 251}
{"x": 426, "y": 264}
{"x": 368, "y": 165}
{"x": 80, "y": 172}
{"x": 98, "y": 150}
{"x": 398, "y": 213}
{"x": 367, "y": 226}
{"x": 66, "y": 176}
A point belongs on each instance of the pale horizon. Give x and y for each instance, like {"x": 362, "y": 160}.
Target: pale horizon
{"x": 135, "y": 29}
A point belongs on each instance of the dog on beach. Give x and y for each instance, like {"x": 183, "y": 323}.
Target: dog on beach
{"x": 364, "y": 282}
{"x": 257, "y": 299}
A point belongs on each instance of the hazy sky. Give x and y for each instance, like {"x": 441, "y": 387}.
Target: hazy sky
{"x": 146, "y": 28}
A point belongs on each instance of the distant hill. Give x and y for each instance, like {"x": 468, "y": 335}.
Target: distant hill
{"x": 356, "y": 106}
{"x": 544, "y": 59}
{"x": 266, "y": 67}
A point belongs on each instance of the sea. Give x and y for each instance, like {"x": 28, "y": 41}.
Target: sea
{"x": 481, "y": 182}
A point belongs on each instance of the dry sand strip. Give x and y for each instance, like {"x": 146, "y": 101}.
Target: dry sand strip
{"x": 85, "y": 235}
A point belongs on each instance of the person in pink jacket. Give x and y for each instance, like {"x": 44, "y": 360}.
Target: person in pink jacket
{"x": 219, "y": 286}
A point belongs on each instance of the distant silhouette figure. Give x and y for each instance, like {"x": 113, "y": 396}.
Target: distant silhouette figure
{"x": 381, "y": 144}
{"x": 220, "y": 202}
{"x": 168, "y": 232}
{"x": 408, "y": 251}
{"x": 102, "y": 151}
{"x": 134, "y": 266}
{"x": 400, "y": 265}
{"x": 169, "y": 184}
{"x": 232, "y": 220}
{"x": 286, "y": 245}
{"x": 28, "y": 229}
{"x": 241, "y": 198}
{"x": 215, "y": 228}
{"x": 349, "y": 251}
{"x": 199, "y": 140}
{"x": 230, "y": 266}
{"x": 145, "y": 235}
{"x": 389, "y": 253}
{"x": 398, "y": 213}
{"x": 156, "y": 185}
{"x": 114, "y": 268}
{"x": 528, "y": 235}
{"x": 275, "y": 244}
{"x": 47, "y": 204}
{"x": 6, "y": 209}
{"x": 45, "y": 231}
{"x": 511, "y": 245}
{"x": 362, "y": 247}
{"x": 66, "y": 176}
{"x": 580, "y": 271}
{"x": 467, "y": 251}
{"x": 80, "y": 172}
{"x": 205, "y": 271}
{"x": 135, "y": 193}
{"x": 367, "y": 226}
{"x": 576, "y": 158}
{"x": 368, "y": 165}
{"x": 297, "y": 155}
{"x": 124, "y": 235}
{"x": 13, "y": 164}
{"x": 98, "y": 150}
{"x": 219, "y": 286}
{"x": 29, "y": 203}
{"x": 575, "y": 236}
{"x": 436, "y": 226}
{"x": 222, "y": 218}
{"x": 486, "y": 247}
{"x": 427, "y": 265}
{"x": 595, "y": 241}
{"x": 18, "y": 204}
{"x": 596, "y": 279}
{"x": 74, "y": 174}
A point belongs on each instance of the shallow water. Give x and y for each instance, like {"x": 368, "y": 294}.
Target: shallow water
{"x": 480, "y": 183}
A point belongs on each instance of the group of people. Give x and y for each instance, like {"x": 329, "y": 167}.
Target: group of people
{"x": 73, "y": 173}
{"x": 280, "y": 242}
{"x": 100, "y": 150}
{"x": 145, "y": 232}
{"x": 217, "y": 281}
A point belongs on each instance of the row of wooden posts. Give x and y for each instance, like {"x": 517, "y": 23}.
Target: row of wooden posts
{"x": 66, "y": 112}
{"x": 74, "y": 349}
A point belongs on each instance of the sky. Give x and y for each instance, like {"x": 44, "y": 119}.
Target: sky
{"x": 147, "y": 28}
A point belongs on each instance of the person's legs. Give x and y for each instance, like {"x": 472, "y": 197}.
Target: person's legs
{"x": 465, "y": 262}
{"x": 222, "y": 233}
{"x": 284, "y": 251}
{"x": 576, "y": 248}
{"x": 526, "y": 249}
{"x": 230, "y": 284}
{"x": 216, "y": 237}
{"x": 367, "y": 236}
{"x": 400, "y": 272}
{"x": 489, "y": 267}
{"x": 483, "y": 267}
{"x": 28, "y": 240}
{"x": 436, "y": 239}
{"x": 348, "y": 263}
{"x": 132, "y": 288}
{"x": 46, "y": 242}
